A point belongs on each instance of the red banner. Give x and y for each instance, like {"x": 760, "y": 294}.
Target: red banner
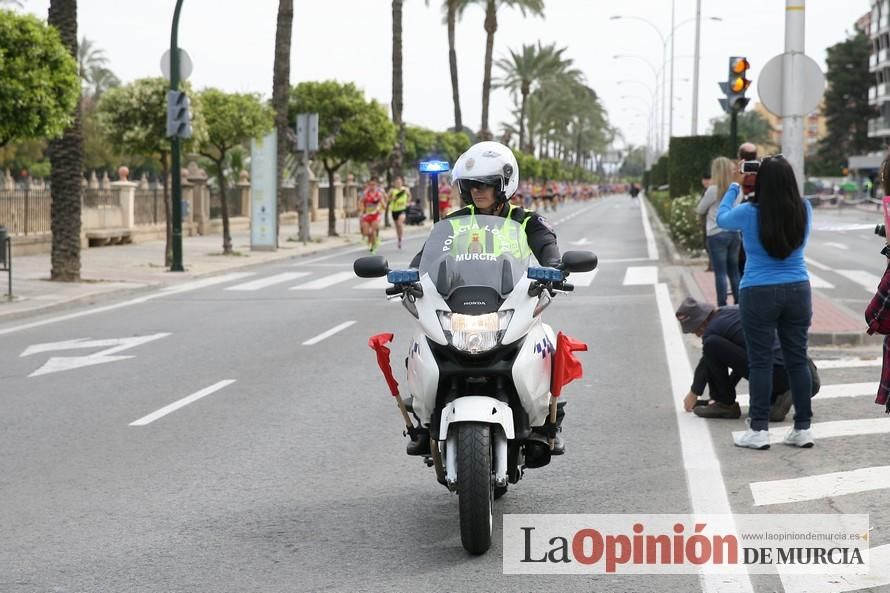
{"x": 566, "y": 368}
{"x": 378, "y": 344}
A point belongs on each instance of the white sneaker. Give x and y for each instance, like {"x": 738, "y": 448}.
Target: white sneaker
{"x": 799, "y": 438}
{"x": 753, "y": 439}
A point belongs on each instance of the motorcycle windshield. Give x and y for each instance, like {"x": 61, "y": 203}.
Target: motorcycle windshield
{"x": 476, "y": 251}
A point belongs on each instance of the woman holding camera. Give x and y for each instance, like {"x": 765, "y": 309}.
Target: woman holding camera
{"x": 723, "y": 245}
{"x": 774, "y": 294}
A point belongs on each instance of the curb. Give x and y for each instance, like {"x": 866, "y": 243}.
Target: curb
{"x": 94, "y": 297}
{"x": 842, "y": 339}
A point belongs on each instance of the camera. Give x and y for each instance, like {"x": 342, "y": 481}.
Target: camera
{"x": 749, "y": 167}
{"x": 881, "y": 230}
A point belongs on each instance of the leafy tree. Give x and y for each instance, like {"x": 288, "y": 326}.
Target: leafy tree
{"x": 66, "y": 160}
{"x": 752, "y": 127}
{"x": 533, "y": 65}
{"x": 231, "y": 120}
{"x": 133, "y": 119}
{"x": 281, "y": 92}
{"x": 39, "y": 92}
{"x": 634, "y": 162}
{"x": 846, "y": 104}
{"x": 349, "y": 127}
{"x": 534, "y": 7}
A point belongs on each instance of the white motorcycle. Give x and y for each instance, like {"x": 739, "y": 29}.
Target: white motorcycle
{"x": 480, "y": 360}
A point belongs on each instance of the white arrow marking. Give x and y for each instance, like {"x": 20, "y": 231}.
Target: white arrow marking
{"x": 67, "y": 363}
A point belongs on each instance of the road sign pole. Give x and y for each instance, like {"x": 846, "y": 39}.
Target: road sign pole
{"x": 793, "y": 84}
{"x": 734, "y": 129}
{"x": 175, "y": 156}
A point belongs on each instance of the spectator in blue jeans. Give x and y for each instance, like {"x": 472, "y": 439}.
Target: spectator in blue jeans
{"x": 723, "y": 245}
{"x": 775, "y": 294}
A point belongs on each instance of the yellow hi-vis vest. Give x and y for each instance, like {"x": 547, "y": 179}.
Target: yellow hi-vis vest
{"x": 509, "y": 238}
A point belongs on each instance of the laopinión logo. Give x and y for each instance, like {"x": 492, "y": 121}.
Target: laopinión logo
{"x": 684, "y": 544}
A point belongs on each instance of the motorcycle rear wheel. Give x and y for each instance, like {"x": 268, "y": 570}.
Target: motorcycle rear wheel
{"x": 475, "y": 486}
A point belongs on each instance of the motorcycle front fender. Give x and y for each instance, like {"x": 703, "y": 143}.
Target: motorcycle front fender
{"x": 477, "y": 408}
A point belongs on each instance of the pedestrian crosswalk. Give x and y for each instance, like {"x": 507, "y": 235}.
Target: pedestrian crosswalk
{"x": 316, "y": 279}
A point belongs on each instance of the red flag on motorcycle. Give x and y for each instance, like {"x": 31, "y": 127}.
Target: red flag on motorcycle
{"x": 566, "y": 368}
{"x": 378, "y": 344}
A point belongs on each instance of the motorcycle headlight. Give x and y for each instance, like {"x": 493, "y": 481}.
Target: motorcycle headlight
{"x": 475, "y": 333}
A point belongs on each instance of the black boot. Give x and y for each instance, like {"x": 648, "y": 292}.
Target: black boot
{"x": 559, "y": 445}
{"x": 419, "y": 443}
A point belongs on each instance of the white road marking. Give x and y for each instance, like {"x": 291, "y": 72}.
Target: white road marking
{"x": 819, "y": 282}
{"x": 865, "y": 479}
{"x": 866, "y": 280}
{"x": 651, "y": 247}
{"x": 838, "y": 428}
{"x": 268, "y": 281}
{"x": 177, "y": 289}
{"x": 626, "y": 260}
{"x": 878, "y": 562}
{"x": 641, "y": 276}
{"x": 67, "y": 363}
{"x": 375, "y": 284}
{"x": 583, "y": 278}
{"x": 837, "y": 246}
{"x": 325, "y": 281}
{"x": 180, "y": 403}
{"x": 707, "y": 491}
{"x": 328, "y": 334}
{"x": 818, "y": 265}
{"x": 831, "y": 391}
{"x": 848, "y": 363}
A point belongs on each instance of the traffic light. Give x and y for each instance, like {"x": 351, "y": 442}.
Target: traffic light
{"x": 736, "y": 85}
{"x": 179, "y": 121}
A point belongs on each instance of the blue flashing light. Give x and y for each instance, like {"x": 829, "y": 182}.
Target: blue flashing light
{"x": 434, "y": 166}
{"x": 545, "y": 274}
{"x": 403, "y": 276}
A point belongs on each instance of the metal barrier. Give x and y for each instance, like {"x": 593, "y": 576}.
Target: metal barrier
{"x": 6, "y": 257}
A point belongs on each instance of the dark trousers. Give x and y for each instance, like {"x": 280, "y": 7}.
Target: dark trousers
{"x": 727, "y": 363}
{"x": 788, "y": 309}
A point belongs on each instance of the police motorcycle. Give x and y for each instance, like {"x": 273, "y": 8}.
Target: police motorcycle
{"x": 480, "y": 359}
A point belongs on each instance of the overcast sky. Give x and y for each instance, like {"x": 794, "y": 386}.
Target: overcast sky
{"x": 231, "y": 43}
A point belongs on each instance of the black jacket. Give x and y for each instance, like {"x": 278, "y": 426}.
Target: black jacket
{"x": 540, "y": 235}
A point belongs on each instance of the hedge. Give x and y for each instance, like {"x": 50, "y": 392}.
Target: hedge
{"x": 680, "y": 217}
{"x": 690, "y": 157}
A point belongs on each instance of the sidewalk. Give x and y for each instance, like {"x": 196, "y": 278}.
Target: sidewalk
{"x": 122, "y": 268}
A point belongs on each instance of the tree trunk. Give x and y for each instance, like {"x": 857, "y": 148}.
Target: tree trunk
{"x": 332, "y": 216}
{"x": 397, "y": 89}
{"x": 525, "y": 90}
{"x": 452, "y": 62}
{"x": 66, "y": 162}
{"x": 491, "y": 26}
{"x": 224, "y": 205}
{"x": 280, "y": 91}
{"x": 168, "y": 215}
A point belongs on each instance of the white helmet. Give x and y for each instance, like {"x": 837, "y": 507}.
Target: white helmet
{"x": 490, "y": 163}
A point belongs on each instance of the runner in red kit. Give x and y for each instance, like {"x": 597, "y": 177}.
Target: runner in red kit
{"x": 372, "y": 204}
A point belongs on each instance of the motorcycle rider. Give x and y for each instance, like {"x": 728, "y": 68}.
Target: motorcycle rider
{"x": 487, "y": 176}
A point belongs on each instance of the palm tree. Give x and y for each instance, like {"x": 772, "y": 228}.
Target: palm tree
{"x": 281, "y": 92}
{"x": 89, "y": 59}
{"x": 533, "y": 65}
{"x": 535, "y": 7}
{"x": 452, "y": 10}
{"x": 18, "y": 3}
{"x": 397, "y": 85}
{"x": 66, "y": 162}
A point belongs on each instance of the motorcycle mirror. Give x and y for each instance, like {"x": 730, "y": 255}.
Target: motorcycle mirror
{"x": 579, "y": 261}
{"x": 371, "y": 266}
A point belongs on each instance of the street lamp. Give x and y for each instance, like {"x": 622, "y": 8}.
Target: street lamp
{"x": 664, "y": 41}
{"x": 658, "y": 126}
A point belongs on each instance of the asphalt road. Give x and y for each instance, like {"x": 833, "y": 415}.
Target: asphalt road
{"x": 287, "y": 471}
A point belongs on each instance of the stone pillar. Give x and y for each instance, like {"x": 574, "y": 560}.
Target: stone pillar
{"x": 106, "y": 182}
{"x": 126, "y": 195}
{"x": 350, "y": 204}
{"x": 244, "y": 186}
{"x": 94, "y": 181}
{"x": 8, "y": 181}
{"x": 199, "y": 213}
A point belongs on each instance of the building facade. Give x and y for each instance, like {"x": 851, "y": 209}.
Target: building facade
{"x": 878, "y": 29}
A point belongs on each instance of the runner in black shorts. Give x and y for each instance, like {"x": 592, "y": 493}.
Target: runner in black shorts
{"x": 398, "y": 203}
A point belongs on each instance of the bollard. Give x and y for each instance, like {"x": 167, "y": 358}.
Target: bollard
{"x": 3, "y": 236}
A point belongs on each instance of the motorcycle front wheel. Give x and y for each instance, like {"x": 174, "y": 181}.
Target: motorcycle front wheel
{"x": 475, "y": 486}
